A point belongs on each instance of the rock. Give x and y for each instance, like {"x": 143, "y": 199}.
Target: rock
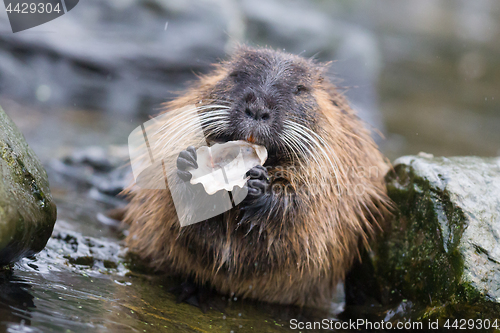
{"x": 27, "y": 213}
{"x": 83, "y": 252}
{"x": 106, "y": 171}
{"x": 442, "y": 251}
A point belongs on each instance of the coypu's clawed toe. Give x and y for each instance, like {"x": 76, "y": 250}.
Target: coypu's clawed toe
{"x": 186, "y": 160}
{"x": 258, "y": 184}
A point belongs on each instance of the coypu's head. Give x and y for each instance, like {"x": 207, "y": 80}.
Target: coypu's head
{"x": 265, "y": 97}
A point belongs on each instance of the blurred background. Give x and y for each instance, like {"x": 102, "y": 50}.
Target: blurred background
{"x": 425, "y": 73}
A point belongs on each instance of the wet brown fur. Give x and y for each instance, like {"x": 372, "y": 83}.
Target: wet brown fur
{"x": 299, "y": 252}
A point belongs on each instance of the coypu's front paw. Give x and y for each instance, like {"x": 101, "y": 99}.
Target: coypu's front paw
{"x": 186, "y": 160}
{"x": 259, "y": 182}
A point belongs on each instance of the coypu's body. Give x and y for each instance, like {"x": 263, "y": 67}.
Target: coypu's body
{"x": 292, "y": 244}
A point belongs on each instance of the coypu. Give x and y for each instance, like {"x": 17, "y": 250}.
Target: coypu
{"x": 318, "y": 198}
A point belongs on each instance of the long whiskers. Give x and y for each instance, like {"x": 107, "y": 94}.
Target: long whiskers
{"x": 188, "y": 121}
{"x": 300, "y": 137}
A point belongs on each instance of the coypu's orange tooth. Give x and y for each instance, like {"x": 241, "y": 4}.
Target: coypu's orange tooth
{"x": 251, "y": 139}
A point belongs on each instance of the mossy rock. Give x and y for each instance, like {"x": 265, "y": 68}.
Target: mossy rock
{"x": 27, "y": 212}
{"x": 442, "y": 249}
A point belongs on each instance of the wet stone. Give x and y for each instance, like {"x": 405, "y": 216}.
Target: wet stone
{"x": 104, "y": 170}
{"x": 27, "y": 212}
{"x": 441, "y": 254}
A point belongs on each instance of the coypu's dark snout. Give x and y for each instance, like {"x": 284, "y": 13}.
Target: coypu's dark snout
{"x": 255, "y": 107}
{"x": 255, "y": 117}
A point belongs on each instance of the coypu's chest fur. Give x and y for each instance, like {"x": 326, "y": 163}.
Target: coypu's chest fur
{"x": 319, "y": 197}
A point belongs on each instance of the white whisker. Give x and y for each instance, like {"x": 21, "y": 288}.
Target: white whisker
{"x": 313, "y": 138}
{"x": 301, "y": 145}
{"x": 186, "y": 123}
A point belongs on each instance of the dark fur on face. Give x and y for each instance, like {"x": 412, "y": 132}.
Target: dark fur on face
{"x": 263, "y": 89}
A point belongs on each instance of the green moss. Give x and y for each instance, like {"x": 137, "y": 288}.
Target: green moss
{"x": 421, "y": 256}
{"x": 417, "y": 259}
{"x": 28, "y": 213}
{"x": 110, "y": 264}
{"x": 20, "y": 173}
{"x": 84, "y": 261}
{"x": 452, "y": 311}
{"x": 7, "y": 154}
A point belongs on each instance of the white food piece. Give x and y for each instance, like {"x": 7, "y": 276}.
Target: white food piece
{"x": 223, "y": 166}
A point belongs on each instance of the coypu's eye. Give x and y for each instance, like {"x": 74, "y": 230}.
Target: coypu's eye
{"x": 300, "y": 89}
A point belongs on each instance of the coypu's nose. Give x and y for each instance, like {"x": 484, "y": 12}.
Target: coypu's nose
{"x": 257, "y": 113}
{"x": 254, "y": 109}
